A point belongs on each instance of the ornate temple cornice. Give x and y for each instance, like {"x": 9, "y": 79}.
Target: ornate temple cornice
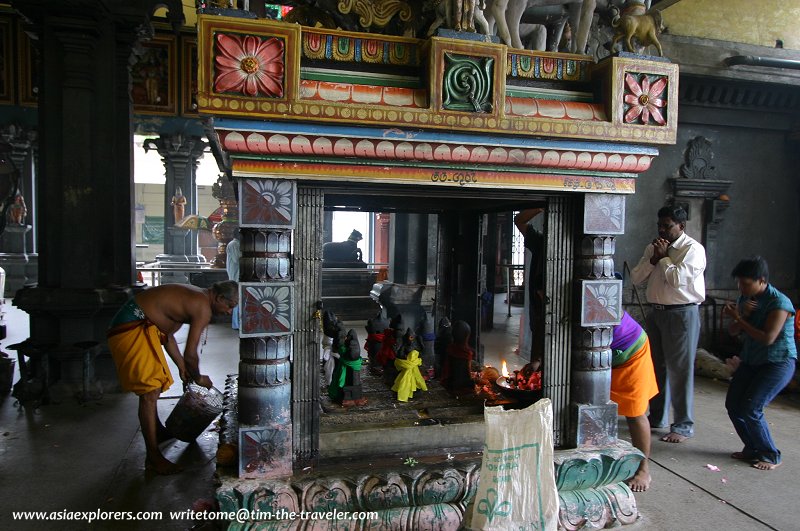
{"x": 261, "y": 70}
{"x": 313, "y": 151}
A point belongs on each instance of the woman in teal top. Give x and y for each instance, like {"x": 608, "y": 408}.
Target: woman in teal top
{"x": 762, "y": 317}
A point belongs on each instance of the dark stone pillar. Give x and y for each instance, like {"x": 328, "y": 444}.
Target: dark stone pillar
{"x": 600, "y": 304}
{"x": 84, "y": 188}
{"x": 411, "y": 286}
{"x": 267, "y": 306}
{"x": 180, "y": 155}
{"x": 590, "y": 477}
{"x": 561, "y": 218}
{"x": 307, "y": 335}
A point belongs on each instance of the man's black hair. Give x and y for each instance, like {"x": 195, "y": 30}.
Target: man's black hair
{"x": 676, "y": 213}
{"x": 754, "y": 267}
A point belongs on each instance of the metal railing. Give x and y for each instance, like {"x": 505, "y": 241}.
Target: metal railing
{"x": 155, "y": 270}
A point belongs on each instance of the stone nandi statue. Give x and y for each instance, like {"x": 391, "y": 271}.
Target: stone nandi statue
{"x": 343, "y": 254}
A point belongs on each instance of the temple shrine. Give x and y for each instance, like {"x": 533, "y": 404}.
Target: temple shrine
{"x": 310, "y": 117}
{"x": 440, "y": 133}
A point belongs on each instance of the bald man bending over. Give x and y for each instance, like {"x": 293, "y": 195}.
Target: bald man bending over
{"x": 139, "y": 330}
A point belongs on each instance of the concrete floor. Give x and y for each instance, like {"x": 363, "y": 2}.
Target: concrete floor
{"x": 88, "y": 457}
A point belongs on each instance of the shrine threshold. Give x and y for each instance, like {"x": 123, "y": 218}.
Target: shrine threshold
{"x": 301, "y": 115}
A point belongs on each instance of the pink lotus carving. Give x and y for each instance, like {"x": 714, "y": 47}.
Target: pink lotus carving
{"x": 645, "y": 100}
{"x": 249, "y": 65}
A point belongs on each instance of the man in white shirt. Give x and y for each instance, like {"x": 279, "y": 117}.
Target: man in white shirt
{"x": 673, "y": 266}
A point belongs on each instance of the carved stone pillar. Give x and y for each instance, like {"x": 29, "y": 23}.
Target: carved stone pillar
{"x": 86, "y": 163}
{"x": 591, "y": 477}
{"x": 307, "y": 335}
{"x": 600, "y": 303}
{"x": 411, "y": 286}
{"x": 267, "y": 305}
{"x": 180, "y": 155}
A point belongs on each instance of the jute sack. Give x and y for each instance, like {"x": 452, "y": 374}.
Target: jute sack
{"x": 517, "y": 487}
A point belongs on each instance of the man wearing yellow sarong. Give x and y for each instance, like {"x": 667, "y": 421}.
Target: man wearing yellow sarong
{"x": 137, "y": 333}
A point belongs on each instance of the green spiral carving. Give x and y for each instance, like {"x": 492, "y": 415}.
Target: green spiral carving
{"x": 467, "y": 83}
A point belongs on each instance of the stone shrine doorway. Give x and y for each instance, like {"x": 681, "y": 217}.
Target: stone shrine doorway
{"x": 444, "y": 275}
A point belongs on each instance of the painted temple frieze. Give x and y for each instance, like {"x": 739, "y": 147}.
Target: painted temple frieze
{"x": 257, "y": 76}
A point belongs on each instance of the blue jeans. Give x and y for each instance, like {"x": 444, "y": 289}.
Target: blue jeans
{"x": 673, "y": 337}
{"x": 751, "y": 389}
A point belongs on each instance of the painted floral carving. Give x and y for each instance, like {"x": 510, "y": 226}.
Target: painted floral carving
{"x": 249, "y": 65}
{"x": 258, "y": 450}
{"x": 645, "y": 100}
{"x": 604, "y": 214}
{"x": 602, "y": 303}
{"x": 267, "y": 202}
{"x": 266, "y": 310}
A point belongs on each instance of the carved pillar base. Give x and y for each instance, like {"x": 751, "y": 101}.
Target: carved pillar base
{"x": 438, "y": 495}
{"x": 62, "y": 317}
{"x": 404, "y": 498}
{"x": 16, "y": 267}
{"x": 265, "y": 419}
{"x": 591, "y": 489}
{"x": 14, "y": 258}
{"x": 13, "y": 239}
{"x": 180, "y": 257}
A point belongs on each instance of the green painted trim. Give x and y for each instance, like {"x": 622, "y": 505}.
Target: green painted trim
{"x": 360, "y": 78}
{"x": 546, "y": 94}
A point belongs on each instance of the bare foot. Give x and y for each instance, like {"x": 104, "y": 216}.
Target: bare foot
{"x": 743, "y": 456}
{"x": 162, "y": 466}
{"x": 640, "y": 481}
{"x": 763, "y": 465}
{"x": 673, "y": 437}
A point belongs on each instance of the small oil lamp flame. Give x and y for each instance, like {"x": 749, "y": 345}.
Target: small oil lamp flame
{"x": 505, "y": 369}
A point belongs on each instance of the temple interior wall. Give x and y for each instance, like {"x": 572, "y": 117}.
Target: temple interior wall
{"x": 762, "y": 218}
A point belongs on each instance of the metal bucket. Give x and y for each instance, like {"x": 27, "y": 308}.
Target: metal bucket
{"x": 196, "y": 409}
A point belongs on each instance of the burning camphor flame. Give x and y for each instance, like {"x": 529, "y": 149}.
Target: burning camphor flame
{"x": 505, "y": 369}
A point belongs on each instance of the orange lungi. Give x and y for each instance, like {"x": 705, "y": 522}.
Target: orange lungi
{"x": 633, "y": 383}
{"x": 141, "y": 364}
